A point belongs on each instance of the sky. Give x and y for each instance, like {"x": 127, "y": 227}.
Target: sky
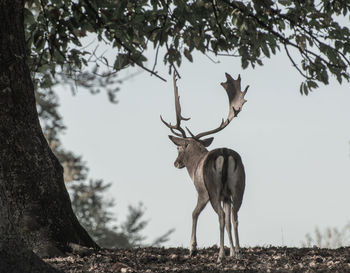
{"x": 295, "y": 149}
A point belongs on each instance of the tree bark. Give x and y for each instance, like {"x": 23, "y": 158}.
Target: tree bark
{"x": 34, "y": 204}
{"x": 14, "y": 258}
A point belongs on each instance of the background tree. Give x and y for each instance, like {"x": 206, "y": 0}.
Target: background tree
{"x": 329, "y": 238}
{"x": 94, "y": 212}
{"x": 89, "y": 201}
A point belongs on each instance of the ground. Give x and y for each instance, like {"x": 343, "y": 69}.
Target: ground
{"x": 257, "y": 259}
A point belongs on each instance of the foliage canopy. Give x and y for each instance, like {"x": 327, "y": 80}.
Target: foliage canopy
{"x": 312, "y": 34}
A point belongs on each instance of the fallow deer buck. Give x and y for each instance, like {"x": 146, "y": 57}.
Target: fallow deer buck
{"x": 218, "y": 175}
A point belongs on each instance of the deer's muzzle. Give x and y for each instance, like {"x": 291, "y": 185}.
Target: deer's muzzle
{"x": 179, "y": 164}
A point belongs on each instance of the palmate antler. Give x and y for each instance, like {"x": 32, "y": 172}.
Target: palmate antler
{"x": 236, "y": 101}
{"x": 179, "y": 117}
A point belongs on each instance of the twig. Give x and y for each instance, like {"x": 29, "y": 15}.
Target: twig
{"x": 210, "y": 58}
{"x": 295, "y": 65}
{"x": 172, "y": 65}
{"x": 156, "y": 58}
{"x": 213, "y": 2}
{"x": 120, "y": 42}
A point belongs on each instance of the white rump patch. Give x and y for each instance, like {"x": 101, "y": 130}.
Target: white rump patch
{"x": 219, "y": 164}
{"x": 231, "y": 167}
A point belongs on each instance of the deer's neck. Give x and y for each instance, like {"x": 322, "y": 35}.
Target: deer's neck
{"x": 193, "y": 160}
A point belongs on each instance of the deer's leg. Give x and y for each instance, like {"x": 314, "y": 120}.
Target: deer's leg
{"x": 201, "y": 203}
{"x": 235, "y": 228}
{"x": 215, "y": 188}
{"x": 227, "y": 210}
{"x": 215, "y": 202}
{"x": 234, "y": 179}
{"x": 221, "y": 214}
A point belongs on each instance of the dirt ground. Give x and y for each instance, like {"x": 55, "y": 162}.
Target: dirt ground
{"x": 257, "y": 259}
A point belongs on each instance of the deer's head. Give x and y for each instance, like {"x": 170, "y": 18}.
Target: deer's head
{"x": 190, "y": 146}
{"x": 187, "y": 147}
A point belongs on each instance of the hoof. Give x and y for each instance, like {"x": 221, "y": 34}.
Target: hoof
{"x": 220, "y": 259}
{"x": 238, "y": 255}
{"x": 235, "y": 254}
{"x": 193, "y": 252}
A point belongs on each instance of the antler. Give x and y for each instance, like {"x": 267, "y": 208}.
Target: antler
{"x": 236, "y": 101}
{"x": 179, "y": 117}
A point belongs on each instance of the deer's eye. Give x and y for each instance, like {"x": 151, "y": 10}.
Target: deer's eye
{"x": 181, "y": 148}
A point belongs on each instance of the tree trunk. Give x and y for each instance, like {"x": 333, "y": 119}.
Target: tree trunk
{"x": 14, "y": 258}
{"x": 34, "y": 204}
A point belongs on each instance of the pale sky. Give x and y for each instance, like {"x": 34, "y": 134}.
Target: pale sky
{"x": 295, "y": 149}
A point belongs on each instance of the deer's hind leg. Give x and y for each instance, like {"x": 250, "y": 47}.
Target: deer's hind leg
{"x": 236, "y": 178}
{"x": 214, "y": 187}
{"x": 235, "y": 228}
{"x": 215, "y": 202}
{"x": 227, "y": 210}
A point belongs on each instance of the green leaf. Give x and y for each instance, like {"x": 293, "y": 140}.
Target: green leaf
{"x": 245, "y": 63}
{"x": 305, "y": 89}
{"x": 28, "y": 17}
{"x": 196, "y": 41}
{"x": 281, "y": 24}
{"x": 323, "y": 76}
{"x": 301, "y": 88}
{"x": 285, "y": 2}
{"x": 39, "y": 43}
{"x": 301, "y": 41}
{"x": 121, "y": 61}
{"x": 243, "y": 27}
{"x": 59, "y": 57}
{"x": 265, "y": 49}
{"x": 312, "y": 84}
{"x": 46, "y": 82}
{"x": 338, "y": 44}
{"x": 188, "y": 55}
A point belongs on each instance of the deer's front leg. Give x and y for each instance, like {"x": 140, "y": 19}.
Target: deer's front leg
{"x": 203, "y": 199}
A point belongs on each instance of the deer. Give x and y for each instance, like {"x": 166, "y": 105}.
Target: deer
{"x": 218, "y": 175}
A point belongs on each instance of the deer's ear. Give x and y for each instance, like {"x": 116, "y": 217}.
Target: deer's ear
{"x": 206, "y": 142}
{"x": 178, "y": 141}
